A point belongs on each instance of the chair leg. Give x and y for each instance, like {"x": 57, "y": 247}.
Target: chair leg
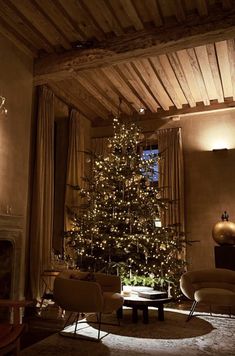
{"x": 210, "y": 310}
{"x": 192, "y": 310}
{"x": 66, "y": 323}
{"x": 99, "y": 323}
{"x": 75, "y": 329}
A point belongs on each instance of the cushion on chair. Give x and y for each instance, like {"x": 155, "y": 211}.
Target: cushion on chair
{"x": 112, "y": 301}
{"x": 215, "y": 296}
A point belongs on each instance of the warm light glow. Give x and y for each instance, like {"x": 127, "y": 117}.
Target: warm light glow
{"x": 216, "y": 137}
{"x": 142, "y": 111}
{"x": 220, "y": 144}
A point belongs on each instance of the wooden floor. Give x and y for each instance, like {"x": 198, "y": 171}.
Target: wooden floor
{"x": 50, "y": 322}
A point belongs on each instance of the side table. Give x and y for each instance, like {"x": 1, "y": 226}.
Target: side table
{"x": 47, "y": 290}
{"x": 135, "y": 302}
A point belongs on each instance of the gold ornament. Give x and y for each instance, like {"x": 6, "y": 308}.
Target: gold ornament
{"x": 223, "y": 232}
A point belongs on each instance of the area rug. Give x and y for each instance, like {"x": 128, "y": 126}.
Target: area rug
{"x": 202, "y": 335}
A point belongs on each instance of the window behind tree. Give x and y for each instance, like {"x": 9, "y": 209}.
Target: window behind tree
{"x": 151, "y": 153}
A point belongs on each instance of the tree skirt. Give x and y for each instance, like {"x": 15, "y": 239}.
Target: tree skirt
{"x": 202, "y": 335}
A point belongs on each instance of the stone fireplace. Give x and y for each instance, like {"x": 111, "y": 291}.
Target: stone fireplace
{"x": 12, "y": 256}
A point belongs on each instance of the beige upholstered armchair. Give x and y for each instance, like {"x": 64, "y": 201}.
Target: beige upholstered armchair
{"x": 83, "y": 292}
{"x": 210, "y": 286}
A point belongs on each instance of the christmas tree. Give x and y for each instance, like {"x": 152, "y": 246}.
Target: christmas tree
{"x": 117, "y": 221}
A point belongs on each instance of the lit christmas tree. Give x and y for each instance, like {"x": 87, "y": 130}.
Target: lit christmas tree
{"x": 117, "y": 224}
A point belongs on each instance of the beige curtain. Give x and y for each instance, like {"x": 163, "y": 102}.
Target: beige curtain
{"x": 100, "y": 146}
{"x": 43, "y": 192}
{"x": 171, "y": 178}
{"x": 76, "y": 166}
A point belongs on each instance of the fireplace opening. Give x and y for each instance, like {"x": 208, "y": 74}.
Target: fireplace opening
{"x": 6, "y": 268}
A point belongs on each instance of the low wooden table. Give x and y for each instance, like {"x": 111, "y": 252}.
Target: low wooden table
{"x": 135, "y": 302}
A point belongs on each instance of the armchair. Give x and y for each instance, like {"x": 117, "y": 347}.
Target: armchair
{"x": 210, "y": 286}
{"x": 75, "y": 292}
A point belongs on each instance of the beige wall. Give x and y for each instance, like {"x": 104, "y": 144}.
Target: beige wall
{"x": 209, "y": 177}
{"x": 16, "y": 85}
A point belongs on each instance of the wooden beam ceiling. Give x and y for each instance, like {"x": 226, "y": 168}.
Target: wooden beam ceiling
{"x": 169, "y": 57}
{"x": 142, "y": 43}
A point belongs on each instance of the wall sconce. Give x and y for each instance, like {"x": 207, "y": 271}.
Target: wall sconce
{"x": 3, "y": 109}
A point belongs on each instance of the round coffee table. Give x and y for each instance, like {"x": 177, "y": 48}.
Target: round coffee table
{"x": 135, "y": 302}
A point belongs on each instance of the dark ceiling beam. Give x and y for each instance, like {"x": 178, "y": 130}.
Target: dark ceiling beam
{"x": 145, "y": 43}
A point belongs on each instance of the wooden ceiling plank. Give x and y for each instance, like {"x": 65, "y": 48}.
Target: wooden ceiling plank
{"x": 215, "y": 71}
{"x": 39, "y": 21}
{"x": 189, "y": 74}
{"x": 23, "y": 26}
{"x": 202, "y": 7}
{"x": 74, "y": 24}
{"x": 224, "y": 66}
{"x": 144, "y": 15}
{"x": 141, "y": 90}
{"x": 120, "y": 13}
{"x": 58, "y": 20}
{"x": 81, "y": 19}
{"x": 122, "y": 87}
{"x": 154, "y": 12}
{"x": 132, "y": 14}
{"x": 19, "y": 41}
{"x": 82, "y": 78}
{"x": 85, "y": 97}
{"x": 110, "y": 17}
{"x": 126, "y": 107}
{"x": 178, "y": 10}
{"x": 175, "y": 63}
{"x": 93, "y": 8}
{"x": 198, "y": 76}
{"x": 132, "y": 86}
{"x": 231, "y": 55}
{"x": 203, "y": 60}
{"x": 62, "y": 92}
{"x": 149, "y": 76}
{"x": 165, "y": 72}
{"x": 103, "y": 83}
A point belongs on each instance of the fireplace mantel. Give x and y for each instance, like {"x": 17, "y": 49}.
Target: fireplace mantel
{"x": 11, "y": 229}
{"x": 11, "y": 221}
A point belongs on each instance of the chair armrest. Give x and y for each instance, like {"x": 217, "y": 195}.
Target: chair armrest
{"x": 187, "y": 286}
{"x": 108, "y": 282}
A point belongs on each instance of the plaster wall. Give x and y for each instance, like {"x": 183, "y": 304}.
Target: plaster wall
{"x": 209, "y": 180}
{"x": 16, "y": 84}
{"x": 209, "y": 177}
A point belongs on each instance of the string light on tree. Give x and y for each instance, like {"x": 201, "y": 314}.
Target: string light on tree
{"x": 118, "y": 226}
